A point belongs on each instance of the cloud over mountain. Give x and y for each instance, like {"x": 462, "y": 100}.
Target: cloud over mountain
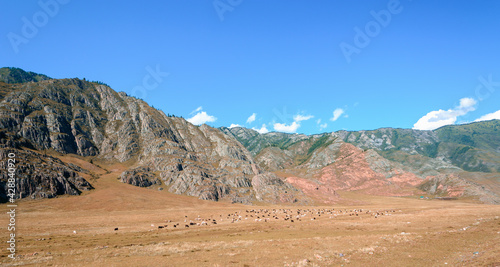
{"x": 490, "y": 116}
{"x": 439, "y": 118}
{"x": 262, "y": 129}
{"x": 292, "y": 128}
{"x": 201, "y": 118}
{"x": 281, "y": 127}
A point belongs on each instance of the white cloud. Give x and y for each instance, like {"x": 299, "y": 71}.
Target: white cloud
{"x": 262, "y": 130}
{"x": 337, "y": 113}
{"x": 251, "y": 118}
{"x": 234, "y": 125}
{"x": 323, "y": 126}
{"x": 491, "y": 116}
{"x": 196, "y": 110}
{"x": 281, "y": 127}
{"x": 299, "y": 118}
{"x": 439, "y": 118}
{"x": 201, "y": 117}
{"x": 292, "y": 128}
{"x": 467, "y": 102}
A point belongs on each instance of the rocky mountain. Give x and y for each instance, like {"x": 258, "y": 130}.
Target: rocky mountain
{"x": 73, "y": 116}
{"x": 255, "y": 142}
{"x": 40, "y": 116}
{"x": 471, "y": 147}
{"x": 385, "y": 161}
{"x": 43, "y": 176}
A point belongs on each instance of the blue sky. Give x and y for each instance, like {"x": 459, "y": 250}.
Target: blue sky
{"x": 299, "y": 66}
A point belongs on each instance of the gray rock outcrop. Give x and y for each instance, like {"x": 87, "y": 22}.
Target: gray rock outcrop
{"x": 40, "y": 176}
{"x": 90, "y": 119}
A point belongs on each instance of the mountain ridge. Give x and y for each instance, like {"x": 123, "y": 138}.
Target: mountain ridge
{"x": 378, "y": 139}
{"x": 73, "y": 116}
{"x": 17, "y": 75}
{"x": 91, "y": 120}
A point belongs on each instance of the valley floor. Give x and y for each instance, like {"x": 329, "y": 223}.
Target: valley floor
{"x": 80, "y": 231}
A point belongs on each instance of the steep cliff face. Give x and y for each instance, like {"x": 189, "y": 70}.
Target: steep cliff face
{"x": 36, "y": 175}
{"x": 92, "y": 120}
{"x": 53, "y": 114}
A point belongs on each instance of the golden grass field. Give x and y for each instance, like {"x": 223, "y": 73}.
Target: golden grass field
{"x": 80, "y": 230}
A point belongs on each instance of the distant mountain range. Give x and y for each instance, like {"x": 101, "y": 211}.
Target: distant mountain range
{"x": 451, "y": 152}
{"x": 72, "y": 116}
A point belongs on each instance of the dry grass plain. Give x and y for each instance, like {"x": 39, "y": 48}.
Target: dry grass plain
{"x": 414, "y": 233}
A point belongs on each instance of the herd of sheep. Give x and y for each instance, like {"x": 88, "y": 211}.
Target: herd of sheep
{"x": 269, "y": 215}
